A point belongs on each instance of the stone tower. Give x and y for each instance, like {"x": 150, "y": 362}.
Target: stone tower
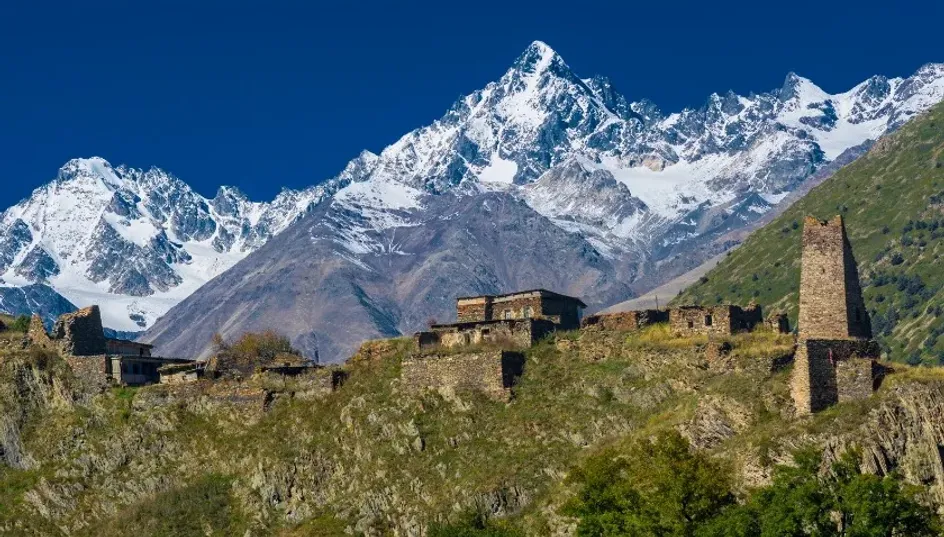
{"x": 831, "y": 305}
{"x": 835, "y": 356}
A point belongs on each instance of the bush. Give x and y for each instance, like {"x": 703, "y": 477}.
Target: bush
{"x": 250, "y": 350}
{"x": 204, "y": 507}
{"x": 20, "y": 324}
{"x": 659, "y": 487}
{"x": 473, "y": 524}
{"x": 844, "y": 502}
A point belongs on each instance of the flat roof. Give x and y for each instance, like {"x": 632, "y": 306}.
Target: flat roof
{"x": 117, "y": 340}
{"x": 543, "y": 292}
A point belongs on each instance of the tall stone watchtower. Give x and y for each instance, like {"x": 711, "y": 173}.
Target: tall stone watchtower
{"x": 835, "y": 356}
{"x": 831, "y": 305}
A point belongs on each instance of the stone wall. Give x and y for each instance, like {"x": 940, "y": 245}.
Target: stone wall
{"x": 628, "y": 320}
{"x": 778, "y": 322}
{"x": 831, "y": 304}
{"x": 474, "y": 309}
{"x": 826, "y": 372}
{"x": 520, "y": 333}
{"x": 492, "y": 372}
{"x": 37, "y": 334}
{"x": 92, "y": 372}
{"x": 714, "y": 320}
{"x": 80, "y": 333}
{"x": 537, "y": 304}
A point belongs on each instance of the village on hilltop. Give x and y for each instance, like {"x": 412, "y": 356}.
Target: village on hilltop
{"x": 835, "y": 358}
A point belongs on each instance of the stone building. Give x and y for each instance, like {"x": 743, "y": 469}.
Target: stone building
{"x": 494, "y": 372}
{"x": 831, "y": 304}
{"x": 521, "y": 333}
{"x": 627, "y": 320}
{"x": 714, "y": 320}
{"x": 96, "y": 360}
{"x": 124, "y": 347}
{"x": 562, "y": 310}
{"x": 835, "y": 357}
{"x": 515, "y": 319}
{"x": 778, "y": 322}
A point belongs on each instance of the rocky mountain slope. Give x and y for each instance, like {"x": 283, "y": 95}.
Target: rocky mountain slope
{"x": 892, "y": 200}
{"x": 643, "y": 193}
{"x": 651, "y": 193}
{"x": 271, "y": 456}
{"x": 134, "y": 241}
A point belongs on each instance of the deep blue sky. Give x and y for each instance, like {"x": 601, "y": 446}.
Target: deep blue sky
{"x": 269, "y": 94}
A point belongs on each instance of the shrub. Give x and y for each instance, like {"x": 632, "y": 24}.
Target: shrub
{"x": 250, "y": 350}
{"x": 20, "y": 324}
{"x": 658, "y": 487}
{"x": 473, "y": 524}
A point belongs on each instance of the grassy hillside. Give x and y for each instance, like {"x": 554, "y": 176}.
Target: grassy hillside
{"x": 265, "y": 457}
{"x": 892, "y": 200}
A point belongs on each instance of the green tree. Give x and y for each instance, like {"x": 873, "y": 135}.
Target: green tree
{"x": 20, "y": 324}
{"x": 658, "y": 488}
{"x": 802, "y": 501}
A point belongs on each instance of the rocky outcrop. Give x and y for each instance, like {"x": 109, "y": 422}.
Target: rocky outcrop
{"x": 386, "y": 459}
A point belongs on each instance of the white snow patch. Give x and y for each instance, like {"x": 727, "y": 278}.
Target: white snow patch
{"x": 499, "y": 170}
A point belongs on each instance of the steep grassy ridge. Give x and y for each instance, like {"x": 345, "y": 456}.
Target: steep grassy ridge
{"x": 892, "y": 200}
{"x": 264, "y": 457}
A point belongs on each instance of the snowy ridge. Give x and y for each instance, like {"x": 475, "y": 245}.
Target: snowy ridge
{"x": 637, "y": 184}
{"x": 136, "y": 242}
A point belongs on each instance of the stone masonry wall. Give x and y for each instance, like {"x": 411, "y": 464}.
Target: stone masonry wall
{"x": 831, "y": 304}
{"x": 518, "y": 332}
{"x": 492, "y": 372}
{"x": 624, "y": 321}
{"x": 91, "y": 371}
{"x": 695, "y": 320}
{"x": 474, "y": 309}
{"x": 529, "y": 305}
{"x": 826, "y": 372}
{"x": 80, "y": 333}
{"x": 37, "y": 334}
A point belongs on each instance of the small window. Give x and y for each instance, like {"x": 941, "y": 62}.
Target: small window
{"x": 691, "y": 324}
{"x": 528, "y": 312}
{"x": 507, "y": 314}
{"x": 707, "y": 320}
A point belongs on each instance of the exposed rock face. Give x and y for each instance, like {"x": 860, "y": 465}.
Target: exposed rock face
{"x": 646, "y": 188}
{"x": 466, "y": 246}
{"x": 362, "y": 451}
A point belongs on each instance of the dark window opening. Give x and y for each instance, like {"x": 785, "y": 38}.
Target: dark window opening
{"x": 707, "y": 320}
{"x": 691, "y": 324}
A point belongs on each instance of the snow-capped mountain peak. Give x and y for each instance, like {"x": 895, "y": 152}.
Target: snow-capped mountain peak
{"x": 135, "y": 241}
{"x": 638, "y": 184}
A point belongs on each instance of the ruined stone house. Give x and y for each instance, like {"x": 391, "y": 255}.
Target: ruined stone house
{"x": 624, "y": 321}
{"x": 515, "y": 319}
{"x": 562, "y": 310}
{"x": 97, "y": 360}
{"x": 721, "y": 320}
{"x": 835, "y": 357}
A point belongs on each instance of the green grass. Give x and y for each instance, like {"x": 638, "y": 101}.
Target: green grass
{"x": 893, "y": 205}
{"x": 192, "y": 460}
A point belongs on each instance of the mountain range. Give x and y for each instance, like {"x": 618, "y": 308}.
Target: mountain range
{"x": 540, "y": 179}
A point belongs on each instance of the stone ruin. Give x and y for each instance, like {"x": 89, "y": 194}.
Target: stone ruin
{"x": 722, "y": 320}
{"x": 624, "y": 321}
{"x": 493, "y": 372}
{"x": 514, "y": 319}
{"x": 835, "y": 359}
